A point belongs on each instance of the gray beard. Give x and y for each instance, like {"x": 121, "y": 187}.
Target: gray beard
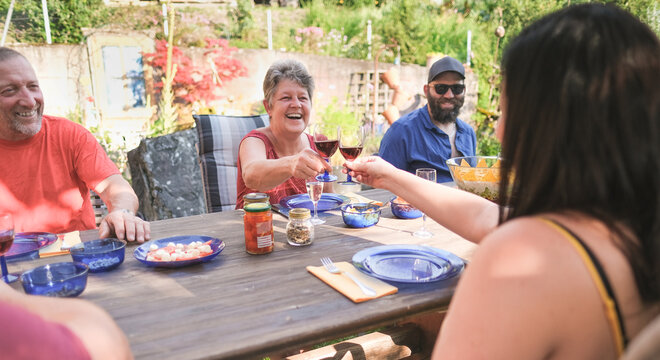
{"x": 26, "y": 129}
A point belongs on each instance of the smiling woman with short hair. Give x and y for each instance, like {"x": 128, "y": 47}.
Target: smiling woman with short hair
{"x": 277, "y": 159}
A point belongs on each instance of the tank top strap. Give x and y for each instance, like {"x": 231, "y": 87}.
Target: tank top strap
{"x": 612, "y": 309}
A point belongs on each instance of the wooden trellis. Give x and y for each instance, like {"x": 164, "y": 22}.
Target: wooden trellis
{"x": 361, "y": 96}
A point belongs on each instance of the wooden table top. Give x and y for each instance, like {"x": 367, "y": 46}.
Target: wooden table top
{"x": 248, "y": 306}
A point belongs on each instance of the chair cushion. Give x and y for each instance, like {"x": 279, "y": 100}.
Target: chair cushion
{"x": 646, "y": 344}
{"x": 219, "y": 138}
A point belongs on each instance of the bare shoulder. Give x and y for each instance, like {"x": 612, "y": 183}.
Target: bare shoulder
{"x": 520, "y": 243}
{"x": 514, "y": 292}
{"x": 252, "y": 147}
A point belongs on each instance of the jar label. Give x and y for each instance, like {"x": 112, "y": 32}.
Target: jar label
{"x": 264, "y": 234}
{"x": 264, "y": 241}
{"x": 264, "y": 227}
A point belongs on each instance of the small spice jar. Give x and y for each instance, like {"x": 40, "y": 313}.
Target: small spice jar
{"x": 300, "y": 230}
{"x": 258, "y": 227}
{"x": 255, "y": 198}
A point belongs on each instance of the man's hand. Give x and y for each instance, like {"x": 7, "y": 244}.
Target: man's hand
{"x": 122, "y": 202}
{"x": 125, "y": 226}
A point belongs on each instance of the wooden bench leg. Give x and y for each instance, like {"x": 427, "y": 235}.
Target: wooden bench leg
{"x": 399, "y": 342}
{"x": 429, "y": 326}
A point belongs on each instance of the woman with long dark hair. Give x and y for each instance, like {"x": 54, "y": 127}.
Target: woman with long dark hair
{"x": 568, "y": 265}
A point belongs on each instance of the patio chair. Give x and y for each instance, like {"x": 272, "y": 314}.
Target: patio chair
{"x": 100, "y": 210}
{"x": 219, "y": 138}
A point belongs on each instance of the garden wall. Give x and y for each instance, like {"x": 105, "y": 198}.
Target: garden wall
{"x": 64, "y": 74}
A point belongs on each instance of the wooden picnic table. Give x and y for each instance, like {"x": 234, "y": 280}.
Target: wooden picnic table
{"x": 241, "y": 306}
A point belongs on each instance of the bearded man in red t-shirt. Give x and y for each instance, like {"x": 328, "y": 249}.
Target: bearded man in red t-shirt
{"x": 48, "y": 165}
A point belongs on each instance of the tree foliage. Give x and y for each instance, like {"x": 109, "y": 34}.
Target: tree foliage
{"x": 67, "y": 19}
{"x": 197, "y": 83}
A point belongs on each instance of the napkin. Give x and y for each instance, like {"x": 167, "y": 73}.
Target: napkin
{"x": 62, "y": 245}
{"x": 346, "y": 286}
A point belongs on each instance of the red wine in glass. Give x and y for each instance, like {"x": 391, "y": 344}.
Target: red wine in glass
{"x": 6, "y": 240}
{"x": 351, "y": 142}
{"x": 326, "y": 148}
{"x": 350, "y": 153}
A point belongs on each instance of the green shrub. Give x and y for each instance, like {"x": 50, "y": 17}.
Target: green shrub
{"x": 241, "y": 17}
{"x": 137, "y": 17}
{"x": 67, "y": 19}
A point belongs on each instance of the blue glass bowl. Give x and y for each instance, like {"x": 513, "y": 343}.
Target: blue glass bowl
{"x": 360, "y": 215}
{"x": 100, "y": 254}
{"x": 403, "y": 210}
{"x": 65, "y": 279}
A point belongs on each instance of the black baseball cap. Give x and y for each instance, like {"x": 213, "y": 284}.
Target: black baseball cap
{"x": 447, "y": 63}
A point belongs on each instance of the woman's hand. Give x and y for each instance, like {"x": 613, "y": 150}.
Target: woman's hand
{"x": 308, "y": 163}
{"x": 371, "y": 170}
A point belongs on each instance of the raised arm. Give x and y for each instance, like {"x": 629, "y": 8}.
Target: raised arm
{"x": 122, "y": 203}
{"x": 466, "y": 214}
{"x": 263, "y": 174}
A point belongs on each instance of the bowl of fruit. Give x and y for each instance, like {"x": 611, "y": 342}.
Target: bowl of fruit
{"x": 479, "y": 175}
{"x": 360, "y": 215}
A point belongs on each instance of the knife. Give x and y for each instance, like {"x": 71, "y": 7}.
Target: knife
{"x": 284, "y": 212}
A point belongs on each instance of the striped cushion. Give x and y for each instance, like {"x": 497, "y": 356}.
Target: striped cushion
{"x": 219, "y": 137}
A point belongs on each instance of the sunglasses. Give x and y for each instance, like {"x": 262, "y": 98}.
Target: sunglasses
{"x": 456, "y": 89}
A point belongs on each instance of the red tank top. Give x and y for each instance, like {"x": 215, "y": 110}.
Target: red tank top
{"x": 291, "y": 186}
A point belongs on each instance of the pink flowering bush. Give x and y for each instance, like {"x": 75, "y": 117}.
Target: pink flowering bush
{"x": 310, "y": 38}
{"x": 197, "y": 83}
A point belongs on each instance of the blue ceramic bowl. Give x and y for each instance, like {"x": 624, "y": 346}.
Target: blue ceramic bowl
{"x": 360, "y": 215}
{"x": 65, "y": 279}
{"x": 100, "y": 254}
{"x": 403, "y": 210}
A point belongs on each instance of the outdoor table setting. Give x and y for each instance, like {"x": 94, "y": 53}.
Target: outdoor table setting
{"x": 227, "y": 303}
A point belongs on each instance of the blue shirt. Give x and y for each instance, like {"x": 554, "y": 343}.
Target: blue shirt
{"x": 414, "y": 142}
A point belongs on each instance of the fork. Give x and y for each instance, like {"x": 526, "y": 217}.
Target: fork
{"x": 332, "y": 268}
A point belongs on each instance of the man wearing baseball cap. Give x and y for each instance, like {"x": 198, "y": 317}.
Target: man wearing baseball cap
{"x": 428, "y": 136}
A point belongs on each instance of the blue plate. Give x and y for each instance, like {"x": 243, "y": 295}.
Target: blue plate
{"x": 141, "y": 251}
{"x": 27, "y": 244}
{"x": 327, "y": 202}
{"x": 408, "y": 263}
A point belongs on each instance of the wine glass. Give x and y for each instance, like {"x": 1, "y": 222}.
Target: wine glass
{"x": 428, "y": 174}
{"x": 326, "y": 147}
{"x": 351, "y": 142}
{"x": 314, "y": 190}
{"x": 6, "y": 240}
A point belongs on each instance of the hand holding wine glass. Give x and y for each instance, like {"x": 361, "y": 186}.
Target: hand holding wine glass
{"x": 326, "y": 145}
{"x": 428, "y": 174}
{"x": 351, "y": 142}
{"x": 314, "y": 190}
{"x": 6, "y": 240}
